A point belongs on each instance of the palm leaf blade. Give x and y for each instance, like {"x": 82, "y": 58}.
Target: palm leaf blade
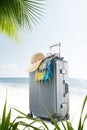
{"x": 3, "y": 117}
{"x": 7, "y": 120}
{"x": 15, "y": 14}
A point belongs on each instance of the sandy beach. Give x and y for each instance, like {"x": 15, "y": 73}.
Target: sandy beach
{"x": 19, "y": 98}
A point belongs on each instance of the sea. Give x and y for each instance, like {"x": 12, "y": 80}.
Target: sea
{"x": 14, "y": 82}
{"x": 74, "y": 84}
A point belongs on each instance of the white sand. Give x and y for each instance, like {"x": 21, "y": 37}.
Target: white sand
{"x": 19, "y": 98}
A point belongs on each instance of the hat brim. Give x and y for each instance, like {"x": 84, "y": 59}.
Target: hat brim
{"x": 33, "y": 67}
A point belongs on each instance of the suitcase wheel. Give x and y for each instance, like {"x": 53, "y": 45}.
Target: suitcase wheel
{"x": 30, "y": 114}
{"x": 67, "y": 116}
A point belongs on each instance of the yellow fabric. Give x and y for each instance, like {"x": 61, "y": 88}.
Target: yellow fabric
{"x": 39, "y": 75}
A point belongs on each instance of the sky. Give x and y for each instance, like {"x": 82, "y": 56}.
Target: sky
{"x": 64, "y": 21}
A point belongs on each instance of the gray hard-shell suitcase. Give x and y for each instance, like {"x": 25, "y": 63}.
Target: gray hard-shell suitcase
{"x": 52, "y": 95}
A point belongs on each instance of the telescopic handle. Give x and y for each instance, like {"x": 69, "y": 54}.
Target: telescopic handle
{"x": 54, "y": 45}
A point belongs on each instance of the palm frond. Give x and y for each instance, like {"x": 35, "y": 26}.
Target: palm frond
{"x": 16, "y": 14}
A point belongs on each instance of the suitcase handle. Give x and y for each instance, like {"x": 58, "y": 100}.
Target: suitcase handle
{"x": 52, "y": 46}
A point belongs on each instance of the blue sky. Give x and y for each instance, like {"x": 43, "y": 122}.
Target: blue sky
{"x": 64, "y": 21}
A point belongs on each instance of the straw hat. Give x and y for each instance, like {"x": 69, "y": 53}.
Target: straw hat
{"x": 35, "y": 61}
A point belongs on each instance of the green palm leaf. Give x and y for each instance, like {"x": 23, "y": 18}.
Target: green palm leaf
{"x": 16, "y": 14}
{"x": 7, "y": 120}
{"x": 80, "y": 125}
{"x": 2, "y": 125}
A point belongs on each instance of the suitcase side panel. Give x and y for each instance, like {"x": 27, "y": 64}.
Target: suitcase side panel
{"x": 62, "y": 88}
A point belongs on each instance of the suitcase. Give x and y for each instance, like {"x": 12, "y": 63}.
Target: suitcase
{"x": 52, "y": 95}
